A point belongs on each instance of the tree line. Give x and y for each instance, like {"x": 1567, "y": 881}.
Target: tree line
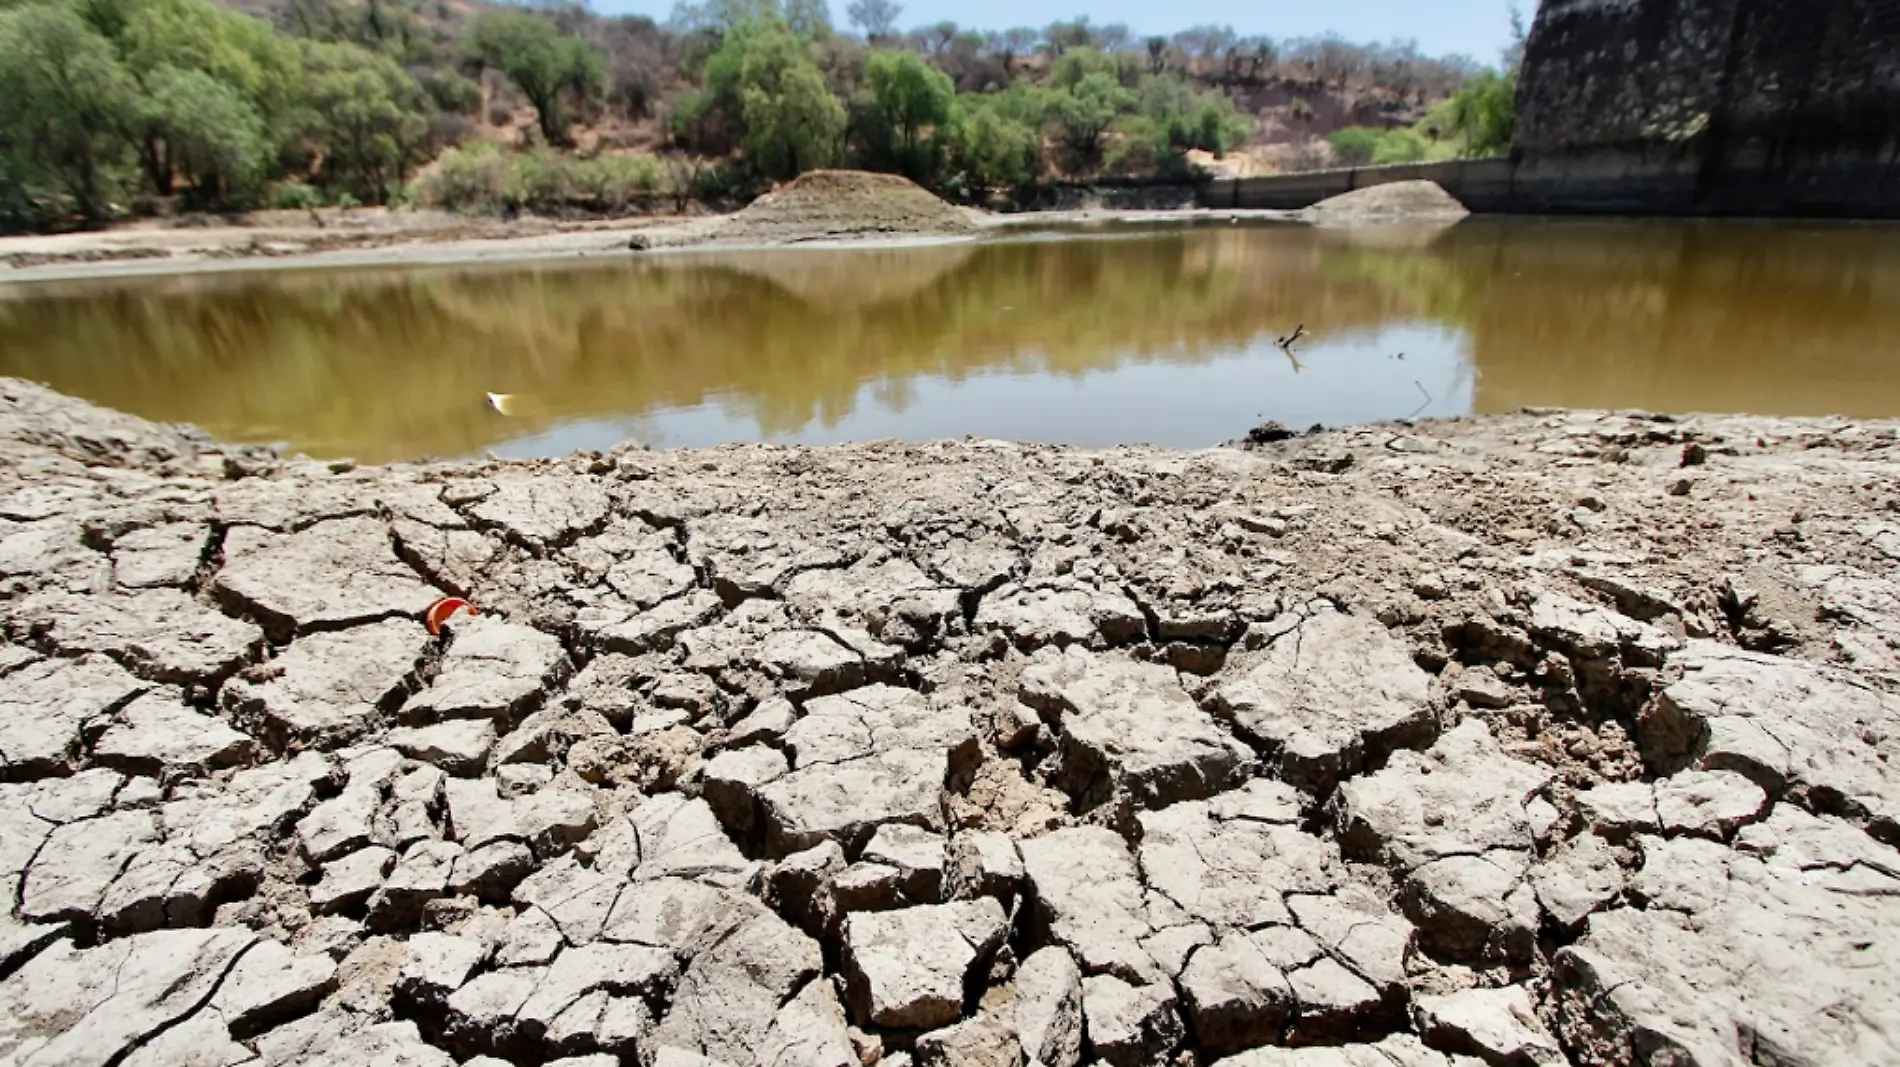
{"x": 122, "y": 106}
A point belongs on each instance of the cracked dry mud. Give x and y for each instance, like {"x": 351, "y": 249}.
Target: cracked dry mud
{"x": 1538, "y": 739}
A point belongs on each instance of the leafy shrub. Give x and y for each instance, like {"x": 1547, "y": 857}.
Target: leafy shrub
{"x": 297, "y": 196}
{"x": 480, "y": 177}
{"x": 615, "y": 181}
{"x": 453, "y": 93}
{"x": 475, "y": 177}
{"x": 1403, "y": 145}
{"x": 1354, "y": 145}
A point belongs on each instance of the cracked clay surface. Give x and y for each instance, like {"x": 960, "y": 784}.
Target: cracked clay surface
{"x": 1550, "y": 738}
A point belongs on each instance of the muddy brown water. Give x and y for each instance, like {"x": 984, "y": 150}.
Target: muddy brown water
{"x": 1163, "y": 337}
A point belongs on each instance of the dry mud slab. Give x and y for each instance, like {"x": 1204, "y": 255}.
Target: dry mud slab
{"x": 1540, "y": 739}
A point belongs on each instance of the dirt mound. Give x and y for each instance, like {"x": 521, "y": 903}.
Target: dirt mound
{"x": 846, "y": 203}
{"x": 1394, "y": 200}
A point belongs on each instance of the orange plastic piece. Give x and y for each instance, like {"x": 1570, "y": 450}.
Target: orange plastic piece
{"x": 440, "y": 612}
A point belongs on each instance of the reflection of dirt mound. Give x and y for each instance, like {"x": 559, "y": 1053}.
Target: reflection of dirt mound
{"x": 1382, "y": 203}
{"x": 853, "y": 278}
{"x": 845, "y": 203}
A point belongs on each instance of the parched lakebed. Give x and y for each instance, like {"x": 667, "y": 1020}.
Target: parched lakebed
{"x": 1540, "y": 738}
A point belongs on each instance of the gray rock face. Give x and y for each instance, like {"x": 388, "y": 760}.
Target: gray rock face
{"x": 1273, "y": 985}
{"x": 350, "y": 879}
{"x": 1131, "y": 726}
{"x": 1222, "y": 866}
{"x": 1578, "y": 880}
{"x": 459, "y": 746}
{"x": 1588, "y": 632}
{"x": 916, "y": 856}
{"x": 891, "y": 599}
{"x": 1399, "y": 1050}
{"x": 907, "y": 969}
{"x": 626, "y": 629}
{"x": 547, "y": 821}
{"x": 156, "y": 556}
{"x": 337, "y": 573}
{"x": 983, "y": 863}
{"x": 588, "y": 998}
{"x": 810, "y": 1030}
{"x": 1786, "y": 725}
{"x": 1332, "y": 691}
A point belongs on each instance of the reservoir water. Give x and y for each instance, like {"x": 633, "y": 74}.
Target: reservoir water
{"x": 1096, "y": 338}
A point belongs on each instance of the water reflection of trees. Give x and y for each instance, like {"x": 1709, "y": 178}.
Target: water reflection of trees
{"x": 1736, "y": 317}
{"x": 394, "y": 364}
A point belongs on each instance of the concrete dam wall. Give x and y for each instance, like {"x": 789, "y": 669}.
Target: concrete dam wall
{"x": 1676, "y": 107}
{"x": 1721, "y": 107}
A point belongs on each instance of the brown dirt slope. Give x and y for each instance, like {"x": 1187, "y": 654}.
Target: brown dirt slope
{"x": 847, "y": 203}
{"x": 1409, "y": 200}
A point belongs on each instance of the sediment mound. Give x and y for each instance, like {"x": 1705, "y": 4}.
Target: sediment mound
{"x": 958, "y": 753}
{"x": 846, "y": 203}
{"x": 1392, "y": 201}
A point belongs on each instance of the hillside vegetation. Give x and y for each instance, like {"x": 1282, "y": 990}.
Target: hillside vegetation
{"x": 142, "y": 107}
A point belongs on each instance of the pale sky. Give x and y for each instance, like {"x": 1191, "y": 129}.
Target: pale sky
{"x": 1478, "y": 28}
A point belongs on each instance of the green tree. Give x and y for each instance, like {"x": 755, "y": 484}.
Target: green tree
{"x": 1171, "y": 119}
{"x": 808, "y": 18}
{"x": 909, "y": 97}
{"x": 876, "y": 18}
{"x": 1077, "y": 63}
{"x": 227, "y": 46}
{"x": 214, "y": 86}
{"x": 550, "y": 68}
{"x": 773, "y": 99}
{"x": 1084, "y": 112}
{"x": 1482, "y": 113}
{"x": 1403, "y": 145}
{"x": 69, "y": 107}
{"x": 453, "y": 93}
{"x": 368, "y": 118}
{"x": 989, "y": 148}
{"x": 204, "y": 130}
{"x": 1354, "y": 145}
{"x": 792, "y": 122}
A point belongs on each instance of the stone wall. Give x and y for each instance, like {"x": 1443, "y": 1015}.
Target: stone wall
{"x": 1712, "y": 107}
